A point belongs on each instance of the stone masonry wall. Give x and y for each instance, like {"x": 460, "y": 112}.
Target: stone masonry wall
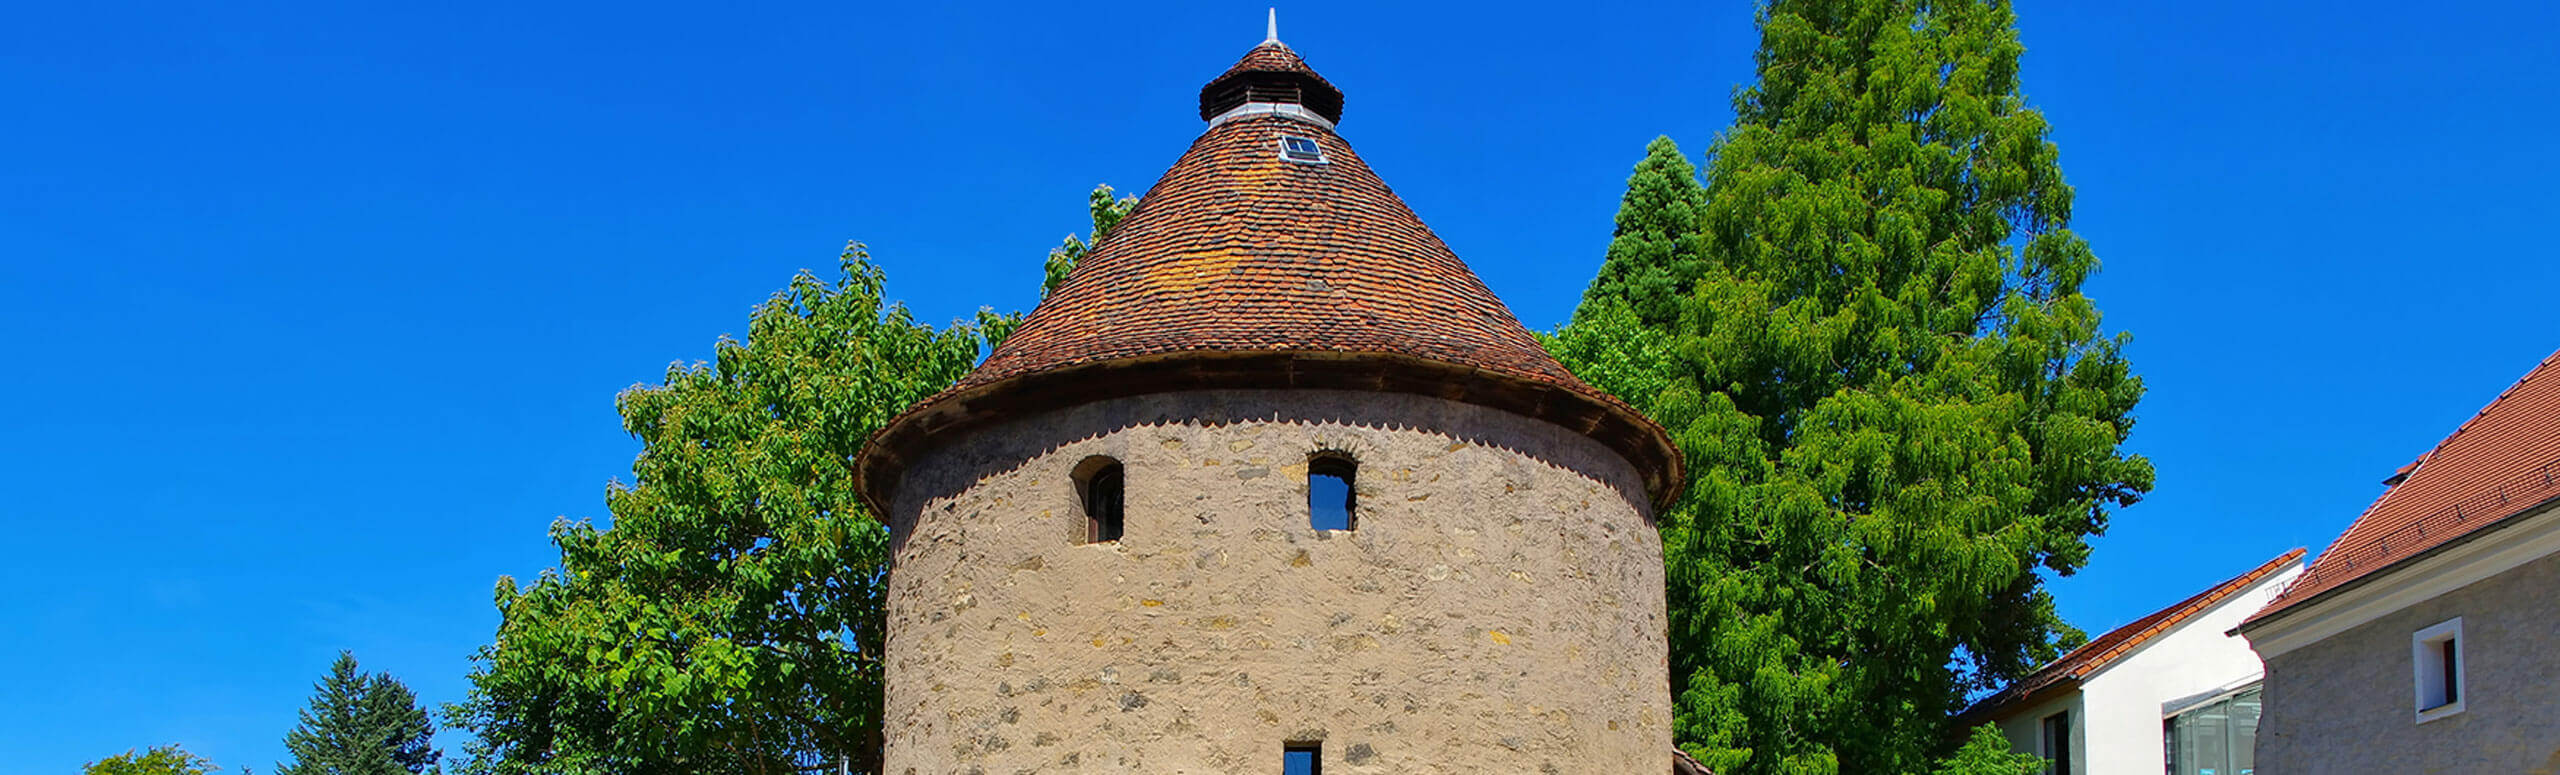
{"x": 2347, "y": 704}
{"x": 1499, "y": 607}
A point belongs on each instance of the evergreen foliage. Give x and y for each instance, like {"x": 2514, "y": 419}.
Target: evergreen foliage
{"x": 360, "y": 724}
{"x": 730, "y": 620}
{"x": 160, "y": 760}
{"x": 1658, "y": 251}
{"x": 1897, "y": 406}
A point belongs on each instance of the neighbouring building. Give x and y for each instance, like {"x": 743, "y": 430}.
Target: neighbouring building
{"x": 2449, "y": 577}
{"x": 1273, "y": 483}
{"x": 2171, "y": 692}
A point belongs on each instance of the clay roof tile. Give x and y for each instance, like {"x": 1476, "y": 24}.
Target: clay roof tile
{"x": 2502, "y": 462}
{"x": 2104, "y": 650}
{"x": 1244, "y": 269}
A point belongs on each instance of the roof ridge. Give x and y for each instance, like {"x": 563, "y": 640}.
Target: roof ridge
{"x": 2111, "y": 646}
{"x": 2179, "y": 612}
{"x": 2503, "y": 395}
{"x": 2473, "y": 475}
{"x": 2412, "y": 468}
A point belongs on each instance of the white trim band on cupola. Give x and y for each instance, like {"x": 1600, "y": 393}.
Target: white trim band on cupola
{"x": 1282, "y": 109}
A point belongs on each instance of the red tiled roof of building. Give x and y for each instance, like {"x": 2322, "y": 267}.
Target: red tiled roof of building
{"x": 2067, "y": 670}
{"x": 2504, "y": 461}
{"x": 1237, "y": 249}
{"x": 1242, "y": 269}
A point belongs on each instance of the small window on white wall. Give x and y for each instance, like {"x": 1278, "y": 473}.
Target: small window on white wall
{"x": 2056, "y": 739}
{"x": 2437, "y": 654}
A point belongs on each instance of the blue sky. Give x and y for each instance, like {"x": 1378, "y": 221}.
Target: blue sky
{"x": 321, "y": 307}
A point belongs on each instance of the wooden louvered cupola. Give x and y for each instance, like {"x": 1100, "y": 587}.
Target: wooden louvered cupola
{"x": 1274, "y": 75}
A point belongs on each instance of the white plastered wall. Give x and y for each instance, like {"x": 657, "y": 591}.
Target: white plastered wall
{"x": 2116, "y": 713}
{"x": 2025, "y": 729}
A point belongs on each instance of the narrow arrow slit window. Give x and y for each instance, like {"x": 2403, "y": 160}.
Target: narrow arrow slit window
{"x": 1099, "y": 489}
{"x": 1333, "y": 495}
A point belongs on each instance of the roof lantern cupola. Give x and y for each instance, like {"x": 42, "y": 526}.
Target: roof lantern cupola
{"x": 1271, "y": 79}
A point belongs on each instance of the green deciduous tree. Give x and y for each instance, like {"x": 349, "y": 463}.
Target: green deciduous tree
{"x": 1107, "y": 212}
{"x": 730, "y": 619}
{"x": 1899, "y": 410}
{"x": 1986, "y": 752}
{"x": 160, "y": 760}
{"x": 360, "y": 724}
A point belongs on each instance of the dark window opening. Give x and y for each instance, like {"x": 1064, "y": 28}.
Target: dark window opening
{"x": 1103, "y": 490}
{"x": 2437, "y": 652}
{"x": 1332, "y": 492}
{"x": 1302, "y": 759}
{"x": 2452, "y": 684}
{"x": 2057, "y": 743}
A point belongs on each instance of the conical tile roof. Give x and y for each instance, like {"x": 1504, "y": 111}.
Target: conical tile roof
{"x": 1243, "y": 268}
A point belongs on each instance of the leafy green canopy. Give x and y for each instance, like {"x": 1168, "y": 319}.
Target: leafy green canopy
{"x": 1107, "y": 212}
{"x": 360, "y": 724}
{"x": 1897, "y": 406}
{"x": 160, "y": 760}
{"x": 730, "y": 620}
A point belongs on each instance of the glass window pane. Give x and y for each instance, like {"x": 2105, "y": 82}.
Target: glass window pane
{"x": 2211, "y": 741}
{"x": 2244, "y": 732}
{"x": 2169, "y": 729}
{"x": 1298, "y": 761}
{"x": 1331, "y": 493}
{"x": 2191, "y": 760}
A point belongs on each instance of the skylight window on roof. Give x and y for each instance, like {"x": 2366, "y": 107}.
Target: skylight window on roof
{"x": 1301, "y": 150}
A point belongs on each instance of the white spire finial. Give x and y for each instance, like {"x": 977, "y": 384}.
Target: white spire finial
{"x": 1272, "y": 34}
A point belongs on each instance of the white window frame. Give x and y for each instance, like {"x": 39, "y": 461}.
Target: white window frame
{"x": 2426, "y": 659}
{"x": 1320, "y": 158}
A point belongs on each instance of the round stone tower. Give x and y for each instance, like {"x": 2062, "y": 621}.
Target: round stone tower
{"x": 1273, "y": 481}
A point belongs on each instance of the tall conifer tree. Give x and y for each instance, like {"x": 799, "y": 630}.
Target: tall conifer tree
{"x": 1657, "y": 252}
{"x": 360, "y": 724}
{"x": 1897, "y": 405}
